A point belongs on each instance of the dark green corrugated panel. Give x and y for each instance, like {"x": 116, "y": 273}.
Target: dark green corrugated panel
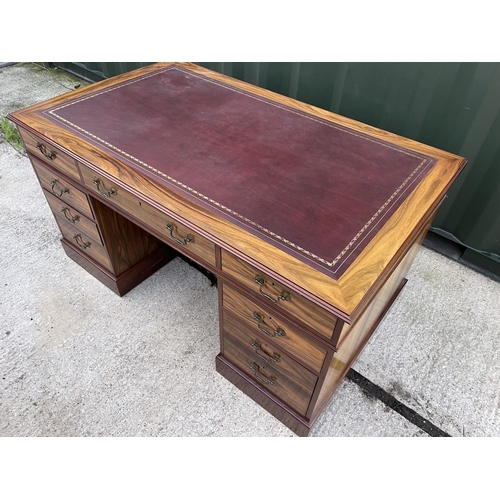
{"x": 97, "y": 71}
{"x": 452, "y": 106}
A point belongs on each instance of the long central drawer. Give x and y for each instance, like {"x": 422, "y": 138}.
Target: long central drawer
{"x": 171, "y": 231}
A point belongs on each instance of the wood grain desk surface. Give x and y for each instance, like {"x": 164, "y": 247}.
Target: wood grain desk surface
{"x": 325, "y": 203}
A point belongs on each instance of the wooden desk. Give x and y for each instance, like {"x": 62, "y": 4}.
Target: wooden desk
{"x": 308, "y": 219}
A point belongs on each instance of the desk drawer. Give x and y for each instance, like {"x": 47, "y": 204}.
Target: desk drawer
{"x": 312, "y": 315}
{"x": 73, "y": 217}
{"x": 268, "y": 365}
{"x": 87, "y": 244}
{"x": 62, "y": 189}
{"x": 260, "y": 321}
{"x": 50, "y": 154}
{"x": 171, "y": 231}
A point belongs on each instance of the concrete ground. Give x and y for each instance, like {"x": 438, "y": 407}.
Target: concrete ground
{"x": 76, "y": 360}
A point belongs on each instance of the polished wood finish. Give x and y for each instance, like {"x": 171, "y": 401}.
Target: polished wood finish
{"x": 71, "y": 215}
{"x": 126, "y": 243}
{"x": 296, "y": 305}
{"x": 293, "y": 340}
{"x": 268, "y": 401}
{"x": 50, "y": 153}
{"x": 342, "y": 296}
{"x": 63, "y": 189}
{"x": 354, "y": 337}
{"x": 181, "y": 237}
{"x": 255, "y": 355}
{"x": 93, "y": 249}
{"x": 133, "y": 216}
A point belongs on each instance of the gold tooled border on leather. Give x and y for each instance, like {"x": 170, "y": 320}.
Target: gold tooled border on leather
{"x": 355, "y": 242}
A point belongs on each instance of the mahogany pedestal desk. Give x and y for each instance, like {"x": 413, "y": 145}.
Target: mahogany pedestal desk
{"x": 308, "y": 219}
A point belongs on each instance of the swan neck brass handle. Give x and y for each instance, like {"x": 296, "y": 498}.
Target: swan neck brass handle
{"x": 53, "y": 183}
{"x": 79, "y": 241}
{"x": 106, "y": 194}
{"x": 188, "y": 239}
{"x": 51, "y": 155}
{"x": 283, "y": 295}
{"x": 67, "y": 213}
{"x": 278, "y": 331}
{"x": 274, "y": 358}
{"x": 257, "y": 374}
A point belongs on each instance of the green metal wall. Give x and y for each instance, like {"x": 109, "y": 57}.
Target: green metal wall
{"x": 452, "y": 106}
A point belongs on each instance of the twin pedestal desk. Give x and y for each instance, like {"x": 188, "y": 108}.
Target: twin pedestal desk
{"x": 308, "y": 219}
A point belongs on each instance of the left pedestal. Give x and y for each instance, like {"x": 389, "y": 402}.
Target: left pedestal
{"x": 107, "y": 245}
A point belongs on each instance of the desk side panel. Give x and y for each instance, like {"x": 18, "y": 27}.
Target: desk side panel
{"x": 354, "y": 337}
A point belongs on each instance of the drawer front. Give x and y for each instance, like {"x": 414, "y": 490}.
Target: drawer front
{"x": 62, "y": 190}
{"x": 73, "y": 217}
{"x": 53, "y": 156}
{"x": 316, "y": 318}
{"x": 269, "y": 366}
{"x": 86, "y": 243}
{"x": 260, "y": 321}
{"x": 172, "y": 232}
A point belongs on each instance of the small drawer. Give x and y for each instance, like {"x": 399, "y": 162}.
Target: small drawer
{"x": 50, "y": 154}
{"x": 73, "y": 217}
{"x": 86, "y": 243}
{"x": 269, "y": 366}
{"x": 170, "y": 231}
{"x": 62, "y": 189}
{"x": 310, "y": 314}
{"x": 260, "y": 321}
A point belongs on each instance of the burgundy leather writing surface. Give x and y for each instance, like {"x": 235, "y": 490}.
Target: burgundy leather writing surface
{"x": 315, "y": 189}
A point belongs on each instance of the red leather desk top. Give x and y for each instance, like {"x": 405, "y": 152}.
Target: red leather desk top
{"x": 315, "y": 189}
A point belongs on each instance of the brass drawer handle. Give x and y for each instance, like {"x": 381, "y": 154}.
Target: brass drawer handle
{"x": 188, "y": 239}
{"x": 275, "y": 358}
{"x": 106, "y": 194}
{"x": 79, "y": 241}
{"x": 63, "y": 190}
{"x": 51, "y": 155}
{"x": 281, "y": 296}
{"x": 277, "y": 330}
{"x": 67, "y": 213}
{"x": 256, "y": 370}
